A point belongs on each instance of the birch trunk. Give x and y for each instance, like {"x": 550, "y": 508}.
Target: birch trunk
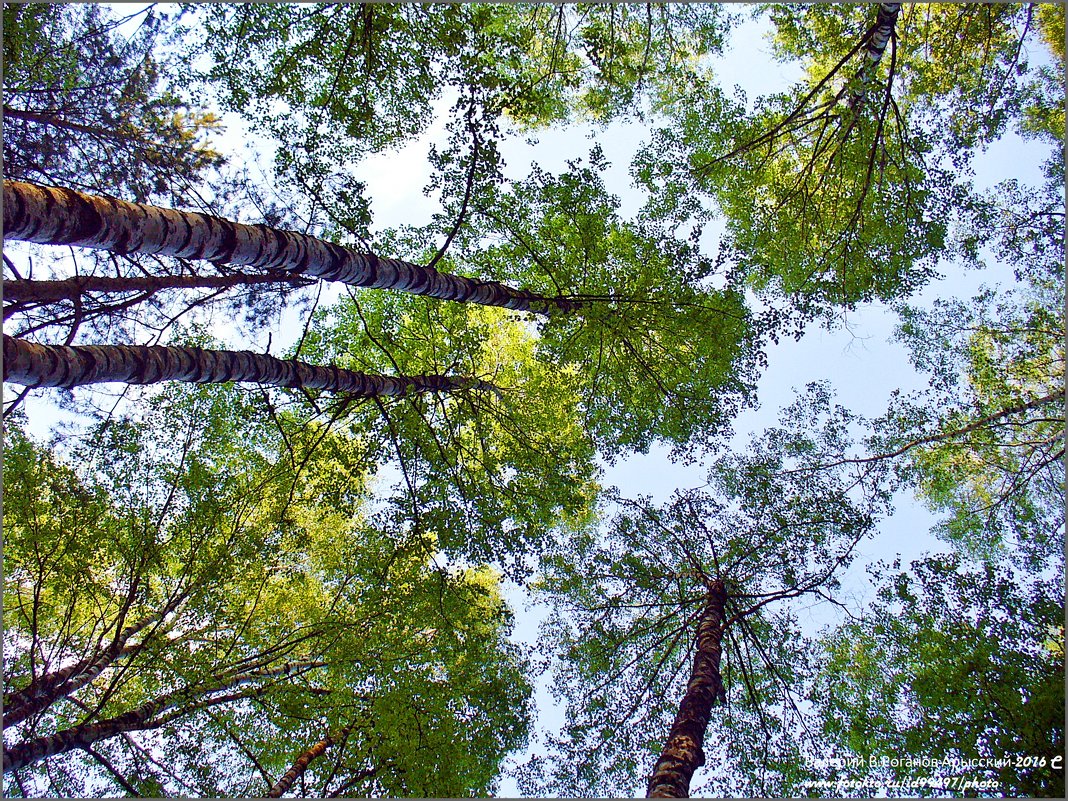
{"x": 49, "y": 688}
{"x": 36, "y": 365}
{"x": 57, "y": 216}
{"x": 878, "y": 38}
{"x": 302, "y": 762}
{"x": 142, "y": 717}
{"x": 683, "y": 753}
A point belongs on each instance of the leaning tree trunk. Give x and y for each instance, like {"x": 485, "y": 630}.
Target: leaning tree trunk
{"x": 36, "y": 365}
{"x": 57, "y": 216}
{"x": 878, "y": 37}
{"x": 147, "y": 716}
{"x": 305, "y": 758}
{"x": 23, "y": 291}
{"x": 683, "y": 753}
{"x": 49, "y": 688}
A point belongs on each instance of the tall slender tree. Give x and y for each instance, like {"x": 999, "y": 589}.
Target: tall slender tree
{"x": 56, "y": 216}
{"x": 838, "y": 191}
{"x": 70, "y": 366}
{"x": 304, "y": 759}
{"x": 672, "y": 653}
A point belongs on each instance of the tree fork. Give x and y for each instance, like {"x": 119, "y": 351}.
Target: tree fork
{"x": 35, "y": 365}
{"x": 59, "y": 216}
{"x": 683, "y": 752}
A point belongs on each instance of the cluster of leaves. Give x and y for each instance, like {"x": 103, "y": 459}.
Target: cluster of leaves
{"x": 89, "y": 108}
{"x": 1001, "y": 477}
{"x": 956, "y": 664}
{"x": 846, "y": 188}
{"x": 661, "y": 344}
{"x": 317, "y": 615}
{"x": 490, "y": 475}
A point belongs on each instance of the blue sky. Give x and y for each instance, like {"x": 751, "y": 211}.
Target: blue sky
{"x": 860, "y": 359}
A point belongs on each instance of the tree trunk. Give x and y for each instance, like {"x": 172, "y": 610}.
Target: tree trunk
{"x": 142, "y": 717}
{"x": 683, "y": 753}
{"x": 878, "y": 38}
{"x": 56, "y": 216}
{"x": 27, "y": 291}
{"x": 49, "y": 688}
{"x": 36, "y": 365}
{"x": 302, "y": 762}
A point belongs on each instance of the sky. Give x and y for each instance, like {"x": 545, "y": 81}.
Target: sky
{"x": 861, "y": 360}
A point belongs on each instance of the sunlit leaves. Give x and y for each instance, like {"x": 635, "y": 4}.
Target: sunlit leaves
{"x": 660, "y": 343}
{"x": 490, "y": 474}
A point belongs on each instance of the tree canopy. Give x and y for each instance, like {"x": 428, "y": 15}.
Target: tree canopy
{"x": 280, "y": 469}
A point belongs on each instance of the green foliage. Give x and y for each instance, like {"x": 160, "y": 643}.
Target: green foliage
{"x": 985, "y": 443}
{"x": 844, "y": 189}
{"x": 960, "y": 68}
{"x": 377, "y": 70}
{"x": 490, "y": 475}
{"x": 87, "y": 108}
{"x": 351, "y": 538}
{"x": 661, "y": 346}
{"x": 839, "y": 210}
{"x": 951, "y": 663}
{"x": 196, "y": 510}
{"x": 627, "y": 598}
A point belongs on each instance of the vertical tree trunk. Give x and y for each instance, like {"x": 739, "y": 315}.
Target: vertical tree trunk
{"x": 305, "y": 758}
{"x": 36, "y": 365}
{"x": 49, "y": 688}
{"x": 879, "y": 37}
{"x": 683, "y": 752}
{"x": 56, "y": 216}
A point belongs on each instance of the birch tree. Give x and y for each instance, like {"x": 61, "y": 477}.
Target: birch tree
{"x": 285, "y": 616}
{"x": 838, "y": 191}
{"x": 70, "y": 366}
{"x": 55, "y": 216}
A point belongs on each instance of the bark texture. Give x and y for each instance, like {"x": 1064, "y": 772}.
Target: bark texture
{"x": 49, "y": 688}
{"x": 301, "y": 763}
{"x": 878, "y": 37}
{"x": 30, "y": 364}
{"x": 683, "y": 753}
{"x": 58, "y": 216}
